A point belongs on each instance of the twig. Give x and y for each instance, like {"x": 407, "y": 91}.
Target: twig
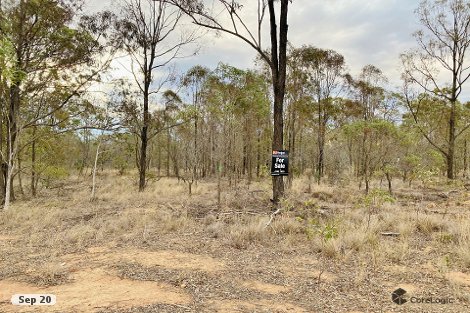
{"x": 319, "y": 275}
{"x": 239, "y": 212}
{"x": 390, "y": 234}
{"x": 273, "y": 215}
{"x": 182, "y": 306}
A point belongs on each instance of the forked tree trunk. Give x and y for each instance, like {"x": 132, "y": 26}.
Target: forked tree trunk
{"x": 278, "y": 70}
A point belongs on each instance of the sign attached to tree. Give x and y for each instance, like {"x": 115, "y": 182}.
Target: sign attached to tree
{"x": 280, "y": 163}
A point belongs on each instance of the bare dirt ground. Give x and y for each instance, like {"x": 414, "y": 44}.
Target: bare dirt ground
{"x": 165, "y": 251}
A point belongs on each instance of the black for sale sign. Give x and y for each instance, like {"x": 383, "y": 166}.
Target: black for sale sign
{"x": 280, "y": 163}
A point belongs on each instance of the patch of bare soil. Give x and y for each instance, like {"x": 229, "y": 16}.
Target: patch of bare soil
{"x": 92, "y": 290}
{"x": 231, "y": 306}
{"x": 459, "y": 278}
{"x": 306, "y": 268}
{"x": 7, "y": 238}
{"x": 171, "y": 259}
{"x": 263, "y": 287}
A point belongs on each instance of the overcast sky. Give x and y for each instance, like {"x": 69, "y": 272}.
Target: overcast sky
{"x": 363, "y": 31}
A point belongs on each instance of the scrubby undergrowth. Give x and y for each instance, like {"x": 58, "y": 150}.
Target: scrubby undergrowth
{"x": 341, "y": 228}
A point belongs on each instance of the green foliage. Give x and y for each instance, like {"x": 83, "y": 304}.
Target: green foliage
{"x": 376, "y": 198}
{"x": 310, "y": 203}
{"x": 121, "y": 147}
{"x": 54, "y": 173}
{"x": 427, "y": 176}
{"x": 326, "y": 231}
{"x": 445, "y": 238}
{"x": 315, "y": 227}
{"x": 8, "y": 68}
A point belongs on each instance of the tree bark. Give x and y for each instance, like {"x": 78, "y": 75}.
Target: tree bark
{"x": 278, "y": 69}
{"x": 168, "y": 138}
{"x": 143, "y": 149}
{"x": 20, "y": 180}
{"x": 144, "y": 135}
{"x": 33, "y": 164}
{"x": 465, "y": 160}
{"x": 93, "y": 188}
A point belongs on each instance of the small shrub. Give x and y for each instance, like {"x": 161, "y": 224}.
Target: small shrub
{"x": 428, "y": 225}
{"x": 445, "y": 238}
{"x": 49, "y": 274}
{"x": 241, "y": 236}
{"x": 287, "y": 226}
{"x": 332, "y": 249}
{"x": 216, "y": 229}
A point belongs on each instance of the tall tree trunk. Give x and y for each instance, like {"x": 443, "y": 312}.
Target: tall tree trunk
{"x": 451, "y": 149}
{"x": 196, "y": 155}
{"x": 168, "y": 138}
{"x": 249, "y": 163}
{"x": 3, "y": 165}
{"x": 258, "y": 154}
{"x": 144, "y": 142}
{"x": 291, "y": 143}
{"x": 219, "y": 185}
{"x": 20, "y": 180}
{"x": 321, "y": 152}
{"x": 159, "y": 162}
{"x": 3, "y": 180}
{"x": 93, "y": 188}
{"x": 465, "y": 160}
{"x": 212, "y": 148}
{"x": 365, "y": 162}
{"x": 33, "y": 163}
{"x": 319, "y": 143}
{"x": 300, "y": 159}
{"x": 389, "y": 180}
{"x": 278, "y": 69}
{"x": 11, "y": 141}
{"x": 9, "y": 183}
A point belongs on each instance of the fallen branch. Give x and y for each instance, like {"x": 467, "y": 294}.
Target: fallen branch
{"x": 390, "y": 234}
{"x": 239, "y": 212}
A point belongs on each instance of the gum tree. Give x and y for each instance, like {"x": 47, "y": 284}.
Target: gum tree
{"x": 227, "y": 17}
{"x": 55, "y": 54}
{"x": 324, "y": 70}
{"x": 440, "y": 67}
{"x": 147, "y": 31}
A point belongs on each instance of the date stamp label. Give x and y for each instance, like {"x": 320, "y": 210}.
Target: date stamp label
{"x": 33, "y": 299}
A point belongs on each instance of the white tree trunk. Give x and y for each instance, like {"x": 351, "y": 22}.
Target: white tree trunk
{"x": 93, "y": 188}
{"x": 11, "y": 164}
{"x": 6, "y": 205}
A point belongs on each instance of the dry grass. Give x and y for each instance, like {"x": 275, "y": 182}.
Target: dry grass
{"x": 430, "y": 224}
{"x": 49, "y": 274}
{"x": 242, "y": 235}
{"x": 330, "y": 221}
